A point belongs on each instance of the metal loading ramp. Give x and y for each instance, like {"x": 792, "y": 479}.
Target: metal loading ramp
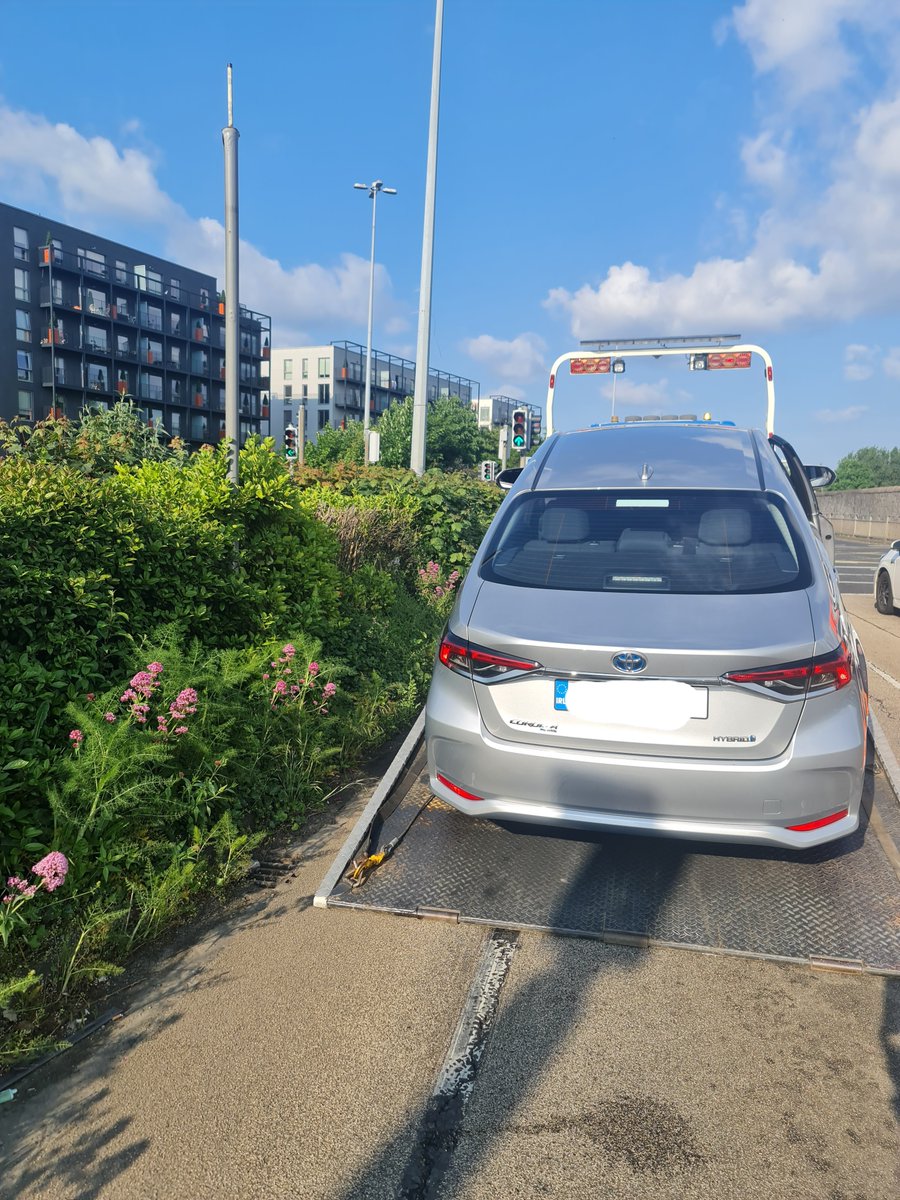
{"x": 836, "y": 905}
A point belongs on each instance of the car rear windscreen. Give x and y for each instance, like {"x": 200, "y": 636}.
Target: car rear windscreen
{"x": 688, "y": 542}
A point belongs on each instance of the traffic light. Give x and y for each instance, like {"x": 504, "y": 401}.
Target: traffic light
{"x": 520, "y": 429}
{"x": 535, "y": 428}
{"x": 290, "y": 442}
{"x": 488, "y": 471}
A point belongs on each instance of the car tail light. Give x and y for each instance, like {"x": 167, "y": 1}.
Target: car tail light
{"x": 479, "y": 662}
{"x": 458, "y": 790}
{"x": 838, "y": 816}
{"x": 828, "y": 672}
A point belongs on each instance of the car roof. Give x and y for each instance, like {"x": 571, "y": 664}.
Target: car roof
{"x": 654, "y": 455}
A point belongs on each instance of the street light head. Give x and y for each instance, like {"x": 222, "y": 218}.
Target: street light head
{"x": 376, "y": 186}
{"x": 363, "y": 187}
{"x": 389, "y": 191}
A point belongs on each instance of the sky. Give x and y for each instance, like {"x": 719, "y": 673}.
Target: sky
{"x": 606, "y": 169}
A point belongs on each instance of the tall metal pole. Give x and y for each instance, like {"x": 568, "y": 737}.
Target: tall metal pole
{"x": 376, "y": 188}
{"x": 423, "y": 341}
{"x": 232, "y": 306}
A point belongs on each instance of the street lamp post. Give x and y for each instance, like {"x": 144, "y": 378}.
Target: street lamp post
{"x": 373, "y": 189}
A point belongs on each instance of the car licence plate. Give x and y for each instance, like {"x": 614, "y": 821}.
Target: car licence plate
{"x": 659, "y": 704}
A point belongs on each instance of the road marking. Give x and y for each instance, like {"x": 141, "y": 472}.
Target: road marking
{"x": 884, "y": 675}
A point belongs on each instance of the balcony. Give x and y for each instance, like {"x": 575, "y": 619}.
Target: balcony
{"x": 65, "y": 379}
{"x": 96, "y": 346}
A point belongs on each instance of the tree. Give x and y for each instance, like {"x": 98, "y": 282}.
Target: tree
{"x": 336, "y": 445}
{"x": 452, "y": 437}
{"x": 871, "y": 466}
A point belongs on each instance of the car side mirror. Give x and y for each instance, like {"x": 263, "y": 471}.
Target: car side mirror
{"x": 819, "y": 476}
{"x": 508, "y": 477}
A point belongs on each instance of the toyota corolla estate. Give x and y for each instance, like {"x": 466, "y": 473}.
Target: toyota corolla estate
{"x": 651, "y": 639}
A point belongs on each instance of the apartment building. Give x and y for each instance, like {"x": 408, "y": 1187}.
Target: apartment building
{"x": 87, "y": 320}
{"x": 331, "y": 381}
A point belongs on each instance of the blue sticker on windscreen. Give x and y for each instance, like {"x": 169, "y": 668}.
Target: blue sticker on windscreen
{"x": 560, "y": 688}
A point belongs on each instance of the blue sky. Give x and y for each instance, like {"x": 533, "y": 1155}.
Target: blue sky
{"x": 606, "y": 168}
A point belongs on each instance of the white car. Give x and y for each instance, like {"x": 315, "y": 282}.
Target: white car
{"x": 887, "y": 580}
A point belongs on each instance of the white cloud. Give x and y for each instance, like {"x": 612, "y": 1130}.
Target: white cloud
{"x": 519, "y": 358}
{"x": 764, "y": 162}
{"x": 859, "y": 362}
{"x": 826, "y": 247}
{"x": 832, "y": 415}
{"x": 90, "y": 181}
{"x": 891, "y": 363}
{"x": 650, "y": 397}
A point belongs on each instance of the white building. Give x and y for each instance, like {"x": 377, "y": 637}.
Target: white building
{"x": 330, "y": 381}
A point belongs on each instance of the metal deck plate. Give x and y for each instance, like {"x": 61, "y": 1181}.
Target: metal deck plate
{"x": 838, "y": 902}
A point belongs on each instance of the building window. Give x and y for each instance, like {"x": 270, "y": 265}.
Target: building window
{"x": 323, "y": 417}
{"x": 304, "y": 367}
{"x": 96, "y": 302}
{"x": 20, "y": 243}
{"x": 26, "y": 401}
{"x": 175, "y": 289}
{"x": 304, "y": 391}
{"x": 324, "y": 393}
{"x": 95, "y": 263}
{"x": 288, "y": 391}
{"x": 23, "y": 325}
{"x": 23, "y": 290}
{"x": 121, "y": 271}
{"x": 204, "y": 297}
{"x": 175, "y": 323}
{"x": 23, "y": 362}
{"x": 323, "y": 368}
{"x": 95, "y": 339}
{"x": 289, "y": 368}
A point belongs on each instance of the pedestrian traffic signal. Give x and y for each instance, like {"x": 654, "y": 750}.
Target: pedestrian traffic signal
{"x": 290, "y": 442}
{"x": 535, "y": 428}
{"x": 520, "y": 429}
{"x": 488, "y": 471}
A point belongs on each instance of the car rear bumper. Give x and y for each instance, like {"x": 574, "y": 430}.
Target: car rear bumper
{"x": 819, "y": 774}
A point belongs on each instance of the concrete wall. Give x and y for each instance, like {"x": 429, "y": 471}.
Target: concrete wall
{"x": 864, "y": 512}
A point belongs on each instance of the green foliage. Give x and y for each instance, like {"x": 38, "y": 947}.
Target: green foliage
{"x": 872, "y": 466}
{"x": 448, "y": 511}
{"x": 452, "y": 437}
{"x": 94, "y": 444}
{"x": 336, "y": 445}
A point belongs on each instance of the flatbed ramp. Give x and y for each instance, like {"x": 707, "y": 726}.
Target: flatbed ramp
{"x": 835, "y": 906}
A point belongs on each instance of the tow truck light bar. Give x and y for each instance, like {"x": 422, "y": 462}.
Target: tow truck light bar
{"x": 664, "y": 343}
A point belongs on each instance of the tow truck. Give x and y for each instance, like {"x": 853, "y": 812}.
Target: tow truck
{"x": 833, "y": 907}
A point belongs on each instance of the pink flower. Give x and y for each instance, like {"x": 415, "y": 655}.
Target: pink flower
{"x": 181, "y": 728}
{"x": 439, "y": 591}
{"x": 162, "y": 723}
{"x": 128, "y": 694}
{"x": 295, "y": 689}
{"x": 109, "y": 717}
{"x": 154, "y": 668}
{"x": 144, "y": 683}
{"x": 267, "y": 675}
{"x": 433, "y": 568}
{"x": 287, "y": 671}
{"x": 280, "y": 687}
{"x": 90, "y": 696}
{"x": 76, "y": 737}
{"x": 313, "y": 669}
{"x": 53, "y": 869}
{"x": 21, "y": 886}
{"x": 328, "y": 690}
{"x": 289, "y": 651}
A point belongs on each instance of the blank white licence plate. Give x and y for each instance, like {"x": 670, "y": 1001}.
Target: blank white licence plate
{"x": 662, "y": 704}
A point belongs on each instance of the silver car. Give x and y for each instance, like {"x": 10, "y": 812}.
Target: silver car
{"x": 651, "y": 639}
{"x": 887, "y": 580}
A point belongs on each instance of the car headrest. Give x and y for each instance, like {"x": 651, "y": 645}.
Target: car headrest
{"x": 643, "y": 539}
{"x": 725, "y": 527}
{"x": 559, "y": 524}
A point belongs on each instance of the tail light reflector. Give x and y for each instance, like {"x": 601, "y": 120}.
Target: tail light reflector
{"x": 838, "y": 816}
{"x": 458, "y": 790}
{"x": 828, "y": 672}
{"x": 480, "y": 663}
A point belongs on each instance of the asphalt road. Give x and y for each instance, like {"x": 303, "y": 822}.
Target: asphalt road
{"x": 287, "y": 1051}
{"x": 856, "y": 561}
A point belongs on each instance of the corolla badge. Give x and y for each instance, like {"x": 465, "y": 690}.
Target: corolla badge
{"x": 629, "y": 662}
